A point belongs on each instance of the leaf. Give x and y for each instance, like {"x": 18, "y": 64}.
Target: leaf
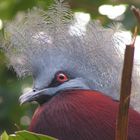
{"x": 25, "y": 135}
{"x": 14, "y": 137}
{"x": 4, "y": 136}
{"x": 33, "y": 136}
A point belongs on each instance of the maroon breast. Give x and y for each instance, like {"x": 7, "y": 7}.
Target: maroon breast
{"x": 81, "y": 115}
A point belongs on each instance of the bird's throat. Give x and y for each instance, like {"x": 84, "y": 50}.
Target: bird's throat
{"x": 43, "y": 99}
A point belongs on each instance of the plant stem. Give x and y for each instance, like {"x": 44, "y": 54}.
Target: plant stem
{"x": 125, "y": 93}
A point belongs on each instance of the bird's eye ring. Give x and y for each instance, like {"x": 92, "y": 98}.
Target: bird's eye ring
{"x": 61, "y": 77}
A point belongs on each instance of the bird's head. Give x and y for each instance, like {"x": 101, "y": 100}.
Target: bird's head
{"x": 56, "y": 82}
{"x": 61, "y": 55}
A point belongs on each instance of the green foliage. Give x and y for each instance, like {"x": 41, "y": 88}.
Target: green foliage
{"x": 8, "y": 8}
{"x": 25, "y": 135}
{"x": 4, "y": 136}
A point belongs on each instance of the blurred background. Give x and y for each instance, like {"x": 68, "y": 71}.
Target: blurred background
{"x": 14, "y": 117}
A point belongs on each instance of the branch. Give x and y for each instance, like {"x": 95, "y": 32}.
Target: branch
{"x": 136, "y": 12}
{"x": 125, "y": 93}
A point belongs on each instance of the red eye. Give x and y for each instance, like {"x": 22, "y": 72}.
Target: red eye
{"x": 61, "y": 77}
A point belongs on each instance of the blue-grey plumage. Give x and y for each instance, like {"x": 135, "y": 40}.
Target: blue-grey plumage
{"x": 43, "y": 43}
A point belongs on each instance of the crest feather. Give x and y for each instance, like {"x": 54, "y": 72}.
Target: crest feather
{"x": 31, "y": 35}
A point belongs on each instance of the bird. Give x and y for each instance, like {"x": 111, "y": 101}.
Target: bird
{"x": 76, "y": 73}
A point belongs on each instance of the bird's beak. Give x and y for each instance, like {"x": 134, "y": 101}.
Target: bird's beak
{"x": 31, "y": 96}
{"x": 45, "y": 94}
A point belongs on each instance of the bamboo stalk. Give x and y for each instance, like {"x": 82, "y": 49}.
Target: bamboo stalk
{"x": 125, "y": 92}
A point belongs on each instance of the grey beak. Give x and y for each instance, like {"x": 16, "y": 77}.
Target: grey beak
{"x": 30, "y": 96}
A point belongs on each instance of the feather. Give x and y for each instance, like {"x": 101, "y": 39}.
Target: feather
{"x": 44, "y": 40}
{"x": 81, "y": 115}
